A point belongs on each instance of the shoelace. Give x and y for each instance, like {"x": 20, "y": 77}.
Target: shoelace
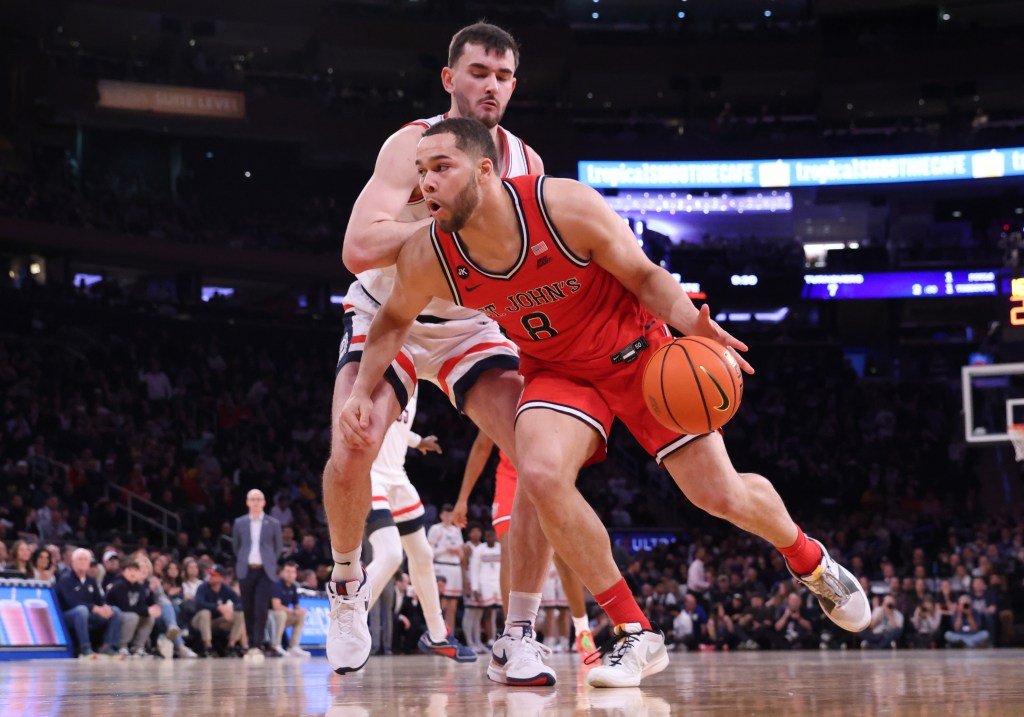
{"x": 829, "y": 586}
{"x": 343, "y": 611}
{"x": 617, "y": 646}
{"x": 539, "y": 649}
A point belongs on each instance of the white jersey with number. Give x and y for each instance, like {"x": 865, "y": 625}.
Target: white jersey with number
{"x": 376, "y": 284}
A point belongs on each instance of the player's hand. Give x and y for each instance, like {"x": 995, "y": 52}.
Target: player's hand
{"x": 354, "y": 420}
{"x": 429, "y": 444}
{"x": 709, "y": 328}
{"x": 459, "y": 513}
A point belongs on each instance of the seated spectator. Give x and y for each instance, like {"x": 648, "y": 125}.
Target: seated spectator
{"x": 683, "y": 631}
{"x": 966, "y": 630}
{"x": 218, "y": 607}
{"x": 409, "y": 623}
{"x": 56, "y": 528}
{"x": 111, "y": 567}
{"x": 886, "y": 627}
{"x": 169, "y": 639}
{"x": 984, "y": 603}
{"x": 698, "y": 618}
{"x": 721, "y": 634}
{"x": 1004, "y": 609}
{"x": 309, "y": 556}
{"x": 21, "y": 557}
{"x": 793, "y": 629}
{"x": 84, "y": 606}
{"x": 754, "y": 626}
{"x": 130, "y": 593}
{"x": 42, "y": 565}
{"x": 927, "y": 622}
{"x": 286, "y": 612}
{"x": 4, "y": 555}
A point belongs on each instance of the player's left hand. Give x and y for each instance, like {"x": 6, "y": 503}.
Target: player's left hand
{"x": 709, "y": 328}
{"x": 429, "y": 444}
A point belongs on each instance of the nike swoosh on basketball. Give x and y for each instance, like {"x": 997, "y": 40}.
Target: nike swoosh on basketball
{"x": 500, "y": 660}
{"x": 474, "y": 287}
{"x": 724, "y": 406}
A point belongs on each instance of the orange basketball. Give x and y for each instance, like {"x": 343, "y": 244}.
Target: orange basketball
{"x": 693, "y": 385}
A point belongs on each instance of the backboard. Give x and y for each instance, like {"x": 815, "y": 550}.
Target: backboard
{"x": 993, "y": 398}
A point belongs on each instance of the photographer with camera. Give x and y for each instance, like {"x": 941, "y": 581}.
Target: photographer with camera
{"x": 886, "y": 626}
{"x": 927, "y": 621}
{"x": 966, "y": 631}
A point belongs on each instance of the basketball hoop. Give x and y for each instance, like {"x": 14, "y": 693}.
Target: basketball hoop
{"x": 1016, "y": 433}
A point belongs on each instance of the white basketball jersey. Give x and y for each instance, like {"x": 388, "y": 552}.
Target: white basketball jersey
{"x": 377, "y": 283}
{"x": 442, "y": 538}
{"x": 485, "y": 565}
{"x": 389, "y": 466}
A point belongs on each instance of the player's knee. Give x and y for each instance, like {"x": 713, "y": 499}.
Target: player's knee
{"x": 387, "y": 549}
{"x": 541, "y": 477}
{"x": 417, "y": 548}
{"x": 720, "y": 502}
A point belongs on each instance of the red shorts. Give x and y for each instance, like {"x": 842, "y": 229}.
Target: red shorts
{"x": 505, "y": 478}
{"x": 600, "y": 393}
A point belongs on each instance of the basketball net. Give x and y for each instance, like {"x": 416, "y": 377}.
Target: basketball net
{"x": 1016, "y": 433}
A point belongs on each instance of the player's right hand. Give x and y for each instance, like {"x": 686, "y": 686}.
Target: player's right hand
{"x": 354, "y": 420}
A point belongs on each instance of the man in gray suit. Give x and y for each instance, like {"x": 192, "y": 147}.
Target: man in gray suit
{"x": 256, "y": 538}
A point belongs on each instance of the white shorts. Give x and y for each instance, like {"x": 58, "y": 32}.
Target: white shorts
{"x": 452, "y": 573}
{"x": 490, "y": 594}
{"x": 553, "y": 595}
{"x": 402, "y": 499}
{"x": 449, "y": 353}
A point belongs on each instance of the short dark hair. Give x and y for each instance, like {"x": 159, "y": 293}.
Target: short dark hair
{"x": 471, "y": 137}
{"x": 491, "y": 37}
{"x": 290, "y": 564}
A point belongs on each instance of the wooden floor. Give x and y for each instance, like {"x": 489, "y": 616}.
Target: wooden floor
{"x": 970, "y": 683}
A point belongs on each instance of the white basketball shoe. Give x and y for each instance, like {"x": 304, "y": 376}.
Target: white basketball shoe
{"x": 840, "y": 594}
{"x": 518, "y": 659}
{"x": 348, "y": 634}
{"x": 631, "y": 655}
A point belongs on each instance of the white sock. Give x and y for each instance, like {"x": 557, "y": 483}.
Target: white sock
{"x": 522, "y": 608}
{"x": 580, "y": 624}
{"x": 347, "y": 565}
{"x": 421, "y": 574}
{"x": 471, "y": 625}
{"x": 387, "y": 558}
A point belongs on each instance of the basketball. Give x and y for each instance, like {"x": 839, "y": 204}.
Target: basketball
{"x": 693, "y": 385}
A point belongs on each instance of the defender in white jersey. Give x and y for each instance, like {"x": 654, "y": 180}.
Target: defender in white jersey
{"x": 395, "y": 524}
{"x": 462, "y": 352}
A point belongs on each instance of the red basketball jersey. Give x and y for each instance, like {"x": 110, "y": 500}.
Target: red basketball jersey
{"x": 556, "y": 306}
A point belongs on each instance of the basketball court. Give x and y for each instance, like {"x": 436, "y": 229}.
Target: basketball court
{"x": 920, "y": 683}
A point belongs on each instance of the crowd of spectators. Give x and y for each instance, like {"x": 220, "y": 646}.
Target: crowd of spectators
{"x": 124, "y": 201}
{"x": 100, "y": 403}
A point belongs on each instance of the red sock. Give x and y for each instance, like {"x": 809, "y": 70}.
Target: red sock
{"x": 621, "y": 606}
{"x": 803, "y": 556}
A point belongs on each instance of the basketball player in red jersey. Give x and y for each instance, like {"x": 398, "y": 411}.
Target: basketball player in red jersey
{"x": 505, "y": 480}
{"x": 562, "y": 274}
{"x": 460, "y": 351}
